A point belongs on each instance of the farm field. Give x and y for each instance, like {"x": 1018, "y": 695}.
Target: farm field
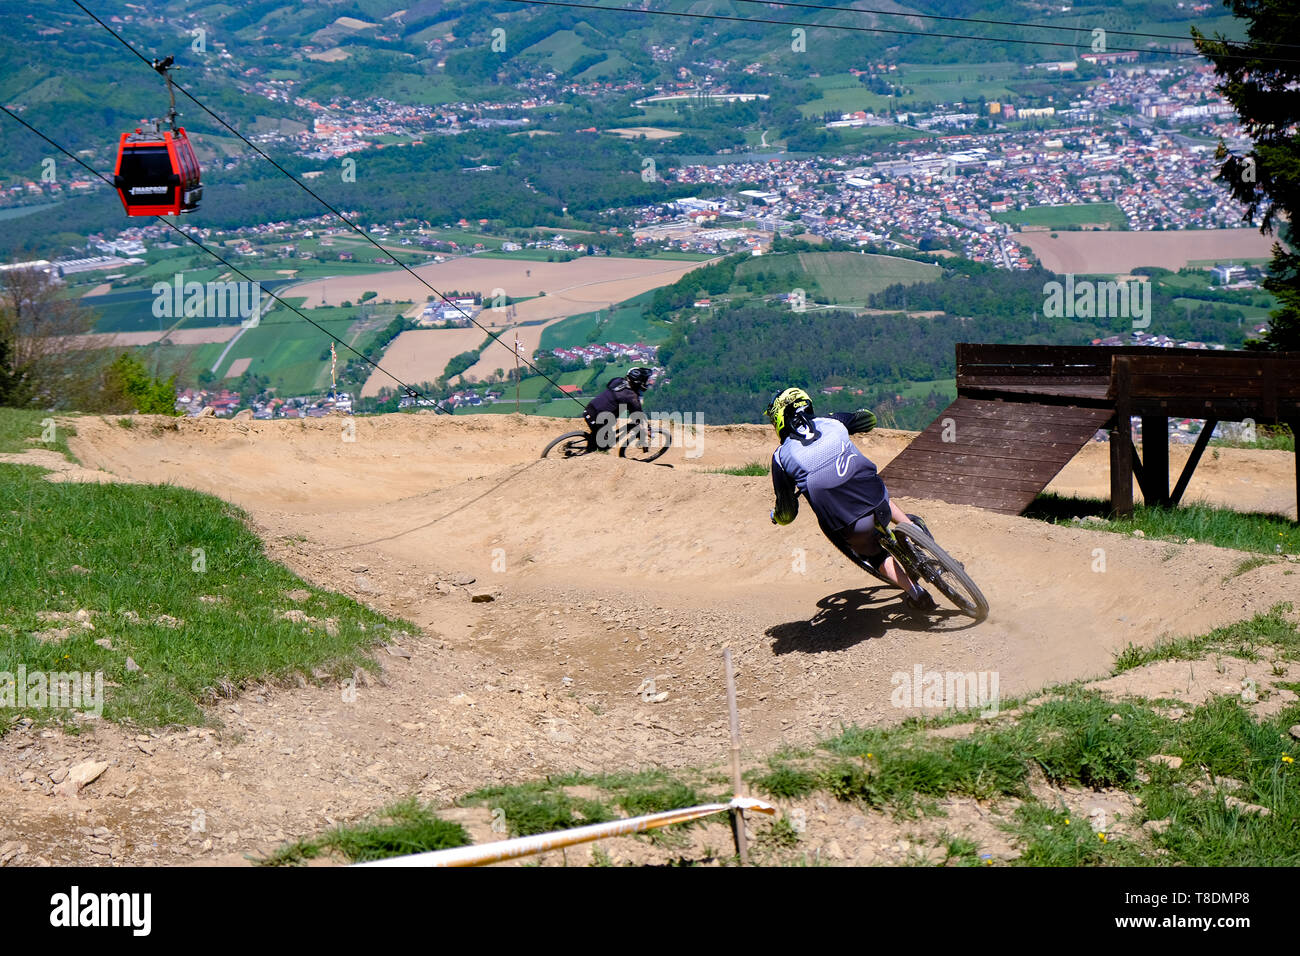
{"x": 421, "y": 355}
{"x": 1114, "y": 253}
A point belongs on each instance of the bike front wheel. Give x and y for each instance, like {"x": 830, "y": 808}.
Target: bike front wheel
{"x": 645, "y": 444}
{"x": 939, "y": 568}
{"x": 568, "y": 445}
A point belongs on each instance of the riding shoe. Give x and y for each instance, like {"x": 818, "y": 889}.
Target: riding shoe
{"x": 922, "y": 603}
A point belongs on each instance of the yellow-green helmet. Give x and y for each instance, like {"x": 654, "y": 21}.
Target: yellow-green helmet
{"x": 792, "y": 400}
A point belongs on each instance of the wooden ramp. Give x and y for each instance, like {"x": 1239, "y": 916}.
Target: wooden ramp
{"x": 1023, "y": 411}
{"x": 992, "y": 453}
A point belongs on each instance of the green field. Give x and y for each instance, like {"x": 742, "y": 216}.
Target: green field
{"x": 629, "y": 324}
{"x": 288, "y": 350}
{"x": 17, "y": 212}
{"x": 844, "y": 93}
{"x": 1061, "y": 217}
{"x": 844, "y": 278}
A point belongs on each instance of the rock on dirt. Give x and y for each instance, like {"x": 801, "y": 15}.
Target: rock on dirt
{"x": 78, "y": 776}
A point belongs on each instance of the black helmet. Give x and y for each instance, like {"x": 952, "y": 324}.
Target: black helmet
{"x": 639, "y": 378}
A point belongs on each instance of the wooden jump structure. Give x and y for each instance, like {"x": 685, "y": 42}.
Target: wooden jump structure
{"x": 1023, "y": 411}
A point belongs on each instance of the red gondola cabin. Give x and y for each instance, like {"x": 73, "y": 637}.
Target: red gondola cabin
{"x": 157, "y": 174}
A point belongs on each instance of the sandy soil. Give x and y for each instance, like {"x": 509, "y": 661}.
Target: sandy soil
{"x": 603, "y": 571}
{"x": 1114, "y": 252}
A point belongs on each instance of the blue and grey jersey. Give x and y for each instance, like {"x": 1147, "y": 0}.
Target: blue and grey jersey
{"x": 839, "y": 481}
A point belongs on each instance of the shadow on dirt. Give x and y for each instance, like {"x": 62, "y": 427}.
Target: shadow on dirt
{"x": 858, "y": 614}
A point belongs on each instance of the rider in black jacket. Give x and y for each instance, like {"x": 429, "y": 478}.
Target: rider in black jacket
{"x": 622, "y": 396}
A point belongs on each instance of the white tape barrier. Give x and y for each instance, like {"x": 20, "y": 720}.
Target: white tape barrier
{"x": 540, "y": 843}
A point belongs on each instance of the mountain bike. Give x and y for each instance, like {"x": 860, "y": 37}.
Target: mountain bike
{"x": 912, "y": 546}
{"x": 636, "y": 439}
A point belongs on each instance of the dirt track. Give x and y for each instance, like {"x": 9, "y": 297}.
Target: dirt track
{"x": 614, "y": 572}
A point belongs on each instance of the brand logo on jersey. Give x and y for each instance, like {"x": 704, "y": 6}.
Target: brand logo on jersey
{"x": 842, "y": 462}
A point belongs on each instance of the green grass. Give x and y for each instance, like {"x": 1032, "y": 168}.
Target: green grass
{"x": 22, "y": 428}
{"x": 1059, "y": 217}
{"x": 751, "y": 470}
{"x": 403, "y": 828}
{"x": 542, "y": 806}
{"x": 1241, "y": 530}
{"x": 1078, "y": 738}
{"x": 175, "y": 580}
{"x": 1267, "y": 438}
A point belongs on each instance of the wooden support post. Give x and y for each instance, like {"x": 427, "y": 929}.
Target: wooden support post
{"x": 1193, "y": 460}
{"x": 737, "y": 816}
{"x": 1121, "y": 443}
{"x": 1295, "y": 430}
{"x": 1155, "y": 459}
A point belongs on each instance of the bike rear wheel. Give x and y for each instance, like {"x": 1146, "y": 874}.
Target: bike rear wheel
{"x": 939, "y": 568}
{"x": 645, "y": 444}
{"x": 568, "y": 445}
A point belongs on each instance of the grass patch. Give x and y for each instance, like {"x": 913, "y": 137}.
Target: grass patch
{"x": 540, "y": 806}
{"x": 22, "y": 428}
{"x": 173, "y": 579}
{"x": 1267, "y": 437}
{"x": 1241, "y": 530}
{"x": 754, "y": 469}
{"x": 397, "y": 830}
{"x": 784, "y": 781}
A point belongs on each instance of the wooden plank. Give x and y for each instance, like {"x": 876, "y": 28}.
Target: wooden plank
{"x": 1079, "y": 393}
{"x": 931, "y": 462}
{"x": 1060, "y": 452}
{"x": 971, "y": 407}
{"x": 1025, "y": 429}
{"x": 1257, "y": 388}
{"x": 991, "y": 499}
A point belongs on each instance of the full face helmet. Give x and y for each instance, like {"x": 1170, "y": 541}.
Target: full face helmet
{"x": 788, "y": 410}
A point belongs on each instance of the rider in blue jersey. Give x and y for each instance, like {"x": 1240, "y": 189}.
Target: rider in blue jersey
{"x": 817, "y": 458}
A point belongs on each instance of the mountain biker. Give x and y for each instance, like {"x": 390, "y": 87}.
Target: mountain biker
{"x": 818, "y": 458}
{"x": 622, "y": 396}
